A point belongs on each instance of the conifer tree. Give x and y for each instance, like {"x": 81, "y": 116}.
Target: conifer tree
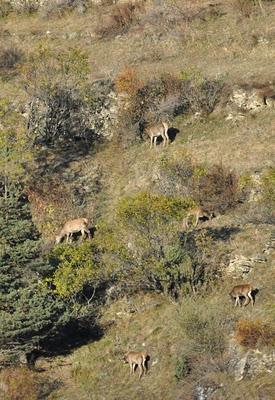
{"x": 29, "y": 314}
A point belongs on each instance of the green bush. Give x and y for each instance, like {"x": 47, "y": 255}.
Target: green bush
{"x": 268, "y": 186}
{"x": 75, "y": 269}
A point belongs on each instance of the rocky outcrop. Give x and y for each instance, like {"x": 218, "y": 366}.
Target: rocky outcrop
{"x": 249, "y": 363}
{"x": 246, "y": 98}
{"x": 241, "y": 265}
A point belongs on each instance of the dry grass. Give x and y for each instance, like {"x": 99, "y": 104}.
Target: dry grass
{"x": 245, "y": 50}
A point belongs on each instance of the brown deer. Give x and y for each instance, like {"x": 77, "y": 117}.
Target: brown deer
{"x": 72, "y": 226}
{"x": 157, "y": 130}
{"x": 138, "y": 358}
{"x": 242, "y": 291}
{"x": 196, "y": 214}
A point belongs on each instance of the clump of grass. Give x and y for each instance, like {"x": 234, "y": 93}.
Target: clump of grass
{"x": 10, "y": 56}
{"x": 19, "y": 384}
{"x": 205, "y": 323}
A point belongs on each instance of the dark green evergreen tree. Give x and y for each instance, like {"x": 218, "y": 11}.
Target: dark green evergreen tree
{"x": 29, "y": 314}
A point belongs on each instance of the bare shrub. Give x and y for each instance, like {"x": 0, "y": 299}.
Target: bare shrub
{"x": 121, "y": 18}
{"x": 59, "y": 7}
{"x": 9, "y": 57}
{"x": 5, "y": 8}
{"x": 60, "y": 119}
{"x": 217, "y": 189}
{"x": 25, "y": 6}
{"x": 244, "y": 7}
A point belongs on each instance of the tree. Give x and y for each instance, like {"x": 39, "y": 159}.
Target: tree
{"x": 14, "y": 151}
{"x": 29, "y": 314}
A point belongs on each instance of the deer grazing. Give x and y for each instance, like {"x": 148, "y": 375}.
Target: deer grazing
{"x": 158, "y": 130}
{"x": 242, "y": 291}
{"x": 195, "y": 214}
{"x": 136, "y": 358}
{"x": 73, "y": 226}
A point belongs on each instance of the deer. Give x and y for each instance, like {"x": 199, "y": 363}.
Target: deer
{"x": 198, "y": 213}
{"x": 157, "y": 130}
{"x": 72, "y": 226}
{"x": 244, "y": 290}
{"x": 138, "y": 358}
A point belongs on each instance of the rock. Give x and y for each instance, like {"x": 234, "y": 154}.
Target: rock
{"x": 251, "y": 363}
{"x": 204, "y": 390}
{"x": 247, "y": 99}
{"x": 239, "y": 265}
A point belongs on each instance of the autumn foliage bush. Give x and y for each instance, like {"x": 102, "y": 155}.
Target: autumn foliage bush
{"x": 252, "y": 333}
{"x": 217, "y": 189}
{"x": 127, "y": 81}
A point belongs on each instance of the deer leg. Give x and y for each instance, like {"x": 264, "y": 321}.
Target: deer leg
{"x": 144, "y": 366}
{"x": 251, "y": 298}
{"x": 167, "y": 136}
{"x": 152, "y": 139}
{"x": 164, "y": 139}
{"x": 67, "y": 237}
{"x": 141, "y": 370}
{"x": 196, "y": 220}
{"x": 155, "y": 141}
{"x": 88, "y": 233}
{"x": 130, "y": 364}
{"x": 247, "y": 300}
{"x": 236, "y": 301}
{"x": 83, "y": 231}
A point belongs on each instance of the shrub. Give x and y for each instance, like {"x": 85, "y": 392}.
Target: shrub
{"x": 60, "y": 119}
{"x": 268, "y": 186}
{"x": 217, "y": 189}
{"x": 5, "y": 8}
{"x": 204, "y": 323}
{"x": 245, "y": 7}
{"x": 59, "y": 7}
{"x": 121, "y": 18}
{"x": 10, "y": 57}
{"x": 25, "y": 6}
{"x": 144, "y": 249}
{"x": 252, "y": 333}
{"x": 75, "y": 269}
{"x": 127, "y": 81}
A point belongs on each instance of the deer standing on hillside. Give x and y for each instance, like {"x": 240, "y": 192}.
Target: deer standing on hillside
{"x": 138, "y": 358}
{"x": 158, "y": 130}
{"x": 198, "y": 213}
{"x": 73, "y": 226}
{"x": 242, "y": 291}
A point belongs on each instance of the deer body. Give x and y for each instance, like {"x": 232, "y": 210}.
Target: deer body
{"x": 242, "y": 291}
{"x": 197, "y": 213}
{"x": 134, "y": 358}
{"x": 73, "y": 226}
{"x": 156, "y": 131}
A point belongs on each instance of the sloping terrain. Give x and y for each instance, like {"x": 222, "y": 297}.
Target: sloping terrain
{"x": 201, "y": 347}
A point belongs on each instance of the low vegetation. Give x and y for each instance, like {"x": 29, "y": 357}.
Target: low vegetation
{"x": 80, "y": 83}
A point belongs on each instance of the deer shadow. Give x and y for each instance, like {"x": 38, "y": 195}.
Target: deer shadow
{"x": 172, "y": 133}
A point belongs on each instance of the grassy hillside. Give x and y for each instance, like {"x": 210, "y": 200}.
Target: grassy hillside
{"x": 196, "y": 338}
